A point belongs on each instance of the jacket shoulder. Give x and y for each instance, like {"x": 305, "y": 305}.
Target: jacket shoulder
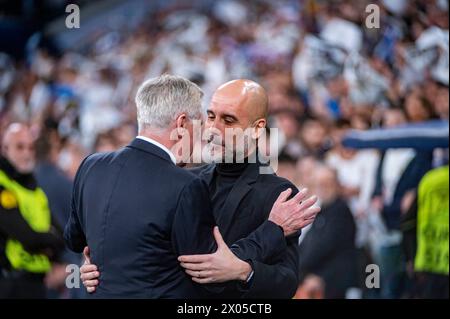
{"x": 186, "y": 175}
{"x": 274, "y": 181}
{"x": 100, "y": 161}
{"x": 198, "y": 170}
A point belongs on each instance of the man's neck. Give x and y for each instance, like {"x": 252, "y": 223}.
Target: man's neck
{"x": 160, "y": 138}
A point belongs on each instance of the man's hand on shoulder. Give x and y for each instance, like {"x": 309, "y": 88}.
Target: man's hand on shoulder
{"x": 295, "y": 213}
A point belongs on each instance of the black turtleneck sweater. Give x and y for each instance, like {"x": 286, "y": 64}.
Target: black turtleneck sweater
{"x": 13, "y": 225}
{"x": 226, "y": 175}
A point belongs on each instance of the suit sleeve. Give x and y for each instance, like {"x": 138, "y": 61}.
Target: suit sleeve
{"x": 74, "y": 235}
{"x": 194, "y": 222}
{"x": 276, "y": 276}
{"x": 263, "y": 244}
{"x": 267, "y": 242}
{"x": 279, "y": 280}
{"x": 192, "y": 234}
{"x": 192, "y": 229}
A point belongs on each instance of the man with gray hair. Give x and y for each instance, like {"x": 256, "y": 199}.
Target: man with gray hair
{"x": 160, "y": 100}
{"x": 137, "y": 211}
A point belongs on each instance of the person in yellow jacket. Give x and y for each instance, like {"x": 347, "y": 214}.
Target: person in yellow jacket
{"x": 432, "y": 260}
{"x": 28, "y": 239}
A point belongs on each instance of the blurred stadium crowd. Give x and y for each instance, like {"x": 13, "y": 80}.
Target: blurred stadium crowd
{"x": 325, "y": 73}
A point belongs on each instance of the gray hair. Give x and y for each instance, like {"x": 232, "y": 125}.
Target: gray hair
{"x": 160, "y": 100}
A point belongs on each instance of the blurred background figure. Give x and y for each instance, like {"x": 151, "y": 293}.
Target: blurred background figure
{"x": 29, "y": 237}
{"x": 326, "y": 73}
{"x": 328, "y": 249}
{"x": 57, "y": 186}
{"x": 399, "y": 171}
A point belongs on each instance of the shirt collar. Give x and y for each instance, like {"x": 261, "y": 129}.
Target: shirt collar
{"x": 165, "y": 149}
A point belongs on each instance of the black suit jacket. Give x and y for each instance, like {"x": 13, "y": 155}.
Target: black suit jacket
{"x": 138, "y": 212}
{"x": 246, "y": 209}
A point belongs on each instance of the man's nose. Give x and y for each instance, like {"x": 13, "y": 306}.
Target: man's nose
{"x": 219, "y": 126}
{"x": 214, "y": 126}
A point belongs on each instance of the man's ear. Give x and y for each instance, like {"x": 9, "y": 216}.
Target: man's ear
{"x": 181, "y": 122}
{"x": 260, "y": 127}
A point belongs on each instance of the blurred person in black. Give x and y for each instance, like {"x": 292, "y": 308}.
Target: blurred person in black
{"x": 53, "y": 181}
{"x": 328, "y": 249}
{"x": 28, "y": 237}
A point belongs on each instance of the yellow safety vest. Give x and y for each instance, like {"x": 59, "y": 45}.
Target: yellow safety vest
{"x": 33, "y": 206}
{"x": 432, "y": 222}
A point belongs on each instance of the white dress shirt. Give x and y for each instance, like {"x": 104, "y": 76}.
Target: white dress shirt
{"x": 165, "y": 149}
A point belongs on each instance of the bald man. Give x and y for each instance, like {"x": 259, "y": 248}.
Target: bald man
{"x": 241, "y": 196}
{"x": 242, "y": 200}
{"x": 27, "y": 236}
{"x": 239, "y": 107}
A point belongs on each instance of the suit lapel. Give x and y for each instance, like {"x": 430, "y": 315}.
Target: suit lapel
{"x": 237, "y": 193}
{"x": 241, "y": 188}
